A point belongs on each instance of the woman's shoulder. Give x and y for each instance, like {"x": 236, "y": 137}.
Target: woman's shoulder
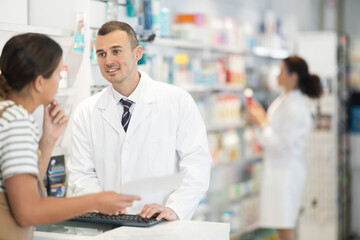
{"x": 14, "y": 113}
{"x": 298, "y": 107}
{"x": 297, "y": 99}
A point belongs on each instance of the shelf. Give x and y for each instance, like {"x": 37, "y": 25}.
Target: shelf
{"x": 119, "y": 4}
{"x": 253, "y": 159}
{"x": 257, "y": 51}
{"x": 213, "y": 87}
{"x": 9, "y": 27}
{"x": 236, "y": 235}
{"x": 270, "y": 53}
{"x": 238, "y": 199}
{"x": 186, "y": 44}
{"x": 205, "y": 209}
{"x": 247, "y": 161}
{"x": 179, "y": 43}
{"x": 224, "y": 127}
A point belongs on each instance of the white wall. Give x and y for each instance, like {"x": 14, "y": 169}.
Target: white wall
{"x": 59, "y": 15}
{"x": 14, "y": 11}
{"x": 54, "y": 13}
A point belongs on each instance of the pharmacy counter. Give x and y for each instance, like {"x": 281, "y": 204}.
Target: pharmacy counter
{"x": 175, "y": 230}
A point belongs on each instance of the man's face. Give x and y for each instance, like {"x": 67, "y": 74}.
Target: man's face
{"x": 116, "y": 59}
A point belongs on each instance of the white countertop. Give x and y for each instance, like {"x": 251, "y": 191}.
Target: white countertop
{"x": 175, "y": 230}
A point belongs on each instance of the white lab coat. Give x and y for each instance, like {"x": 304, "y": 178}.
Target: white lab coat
{"x": 166, "y": 134}
{"x": 284, "y": 140}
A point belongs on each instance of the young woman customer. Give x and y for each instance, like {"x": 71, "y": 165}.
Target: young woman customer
{"x": 30, "y": 66}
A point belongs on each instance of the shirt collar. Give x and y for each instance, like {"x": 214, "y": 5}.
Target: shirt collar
{"x": 134, "y": 96}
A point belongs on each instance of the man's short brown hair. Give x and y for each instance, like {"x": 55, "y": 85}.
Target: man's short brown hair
{"x": 111, "y": 26}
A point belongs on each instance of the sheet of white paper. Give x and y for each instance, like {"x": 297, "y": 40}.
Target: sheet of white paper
{"x": 153, "y": 185}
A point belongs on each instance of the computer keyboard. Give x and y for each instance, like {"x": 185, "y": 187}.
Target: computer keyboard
{"x": 116, "y": 221}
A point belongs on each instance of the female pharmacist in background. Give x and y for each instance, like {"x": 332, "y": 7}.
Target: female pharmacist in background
{"x": 30, "y": 65}
{"x": 285, "y": 129}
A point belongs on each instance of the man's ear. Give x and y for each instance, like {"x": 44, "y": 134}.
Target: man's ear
{"x": 138, "y": 52}
{"x": 38, "y": 84}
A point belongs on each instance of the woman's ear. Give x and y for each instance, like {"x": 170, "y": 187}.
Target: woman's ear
{"x": 38, "y": 84}
{"x": 138, "y": 52}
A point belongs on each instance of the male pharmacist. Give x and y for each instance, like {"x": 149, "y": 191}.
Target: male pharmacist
{"x": 138, "y": 128}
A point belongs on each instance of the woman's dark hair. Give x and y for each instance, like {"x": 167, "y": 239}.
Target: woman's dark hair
{"x": 24, "y": 57}
{"x": 111, "y": 26}
{"x": 309, "y": 84}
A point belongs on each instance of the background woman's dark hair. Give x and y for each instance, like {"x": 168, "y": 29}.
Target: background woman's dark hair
{"x": 111, "y": 26}
{"x": 309, "y": 84}
{"x": 24, "y": 57}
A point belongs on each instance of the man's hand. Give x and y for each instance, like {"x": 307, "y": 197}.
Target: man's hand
{"x": 164, "y": 212}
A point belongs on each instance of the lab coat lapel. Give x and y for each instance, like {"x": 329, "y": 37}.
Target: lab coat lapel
{"x": 145, "y": 105}
{"x": 110, "y": 113}
{"x": 275, "y": 106}
{"x": 141, "y": 111}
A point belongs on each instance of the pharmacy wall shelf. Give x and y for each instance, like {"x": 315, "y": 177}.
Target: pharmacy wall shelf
{"x": 242, "y": 161}
{"x": 185, "y": 44}
{"x": 270, "y": 53}
{"x": 234, "y": 184}
{"x": 225, "y": 127}
{"x": 9, "y": 27}
{"x": 237, "y": 235}
{"x": 199, "y": 88}
{"x": 210, "y": 208}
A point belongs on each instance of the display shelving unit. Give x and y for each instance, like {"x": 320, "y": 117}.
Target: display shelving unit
{"x": 257, "y": 51}
{"x": 18, "y": 28}
{"x": 231, "y": 173}
{"x": 326, "y": 198}
{"x": 343, "y": 137}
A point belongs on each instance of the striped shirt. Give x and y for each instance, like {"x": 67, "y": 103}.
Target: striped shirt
{"x": 19, "y": 140}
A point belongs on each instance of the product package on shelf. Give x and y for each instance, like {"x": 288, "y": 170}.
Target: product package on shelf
{"x": 183, "y": 76}
{"x": 236, "y": 70}
{"x": 252, "y": 147}
{"x": 79, "y": 33}
{"x": 63, "y": 84}
{"x": 224, "y": 146}
{"x": 214, "y": 146}
{"x": 226, "y": 109}
{"x": 56, "y": 175}
{"x": 229, "y": 146}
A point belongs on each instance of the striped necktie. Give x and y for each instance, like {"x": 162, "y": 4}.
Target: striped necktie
{"x": 126, "y": 115}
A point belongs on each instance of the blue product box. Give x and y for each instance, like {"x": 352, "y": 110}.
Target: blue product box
{"x": 355, "y": 119}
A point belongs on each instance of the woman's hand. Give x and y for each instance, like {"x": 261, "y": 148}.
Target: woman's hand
{"x": 256, "y": 113}
{"x": 112, "y": 203}
{"x": 54, "y": 122}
